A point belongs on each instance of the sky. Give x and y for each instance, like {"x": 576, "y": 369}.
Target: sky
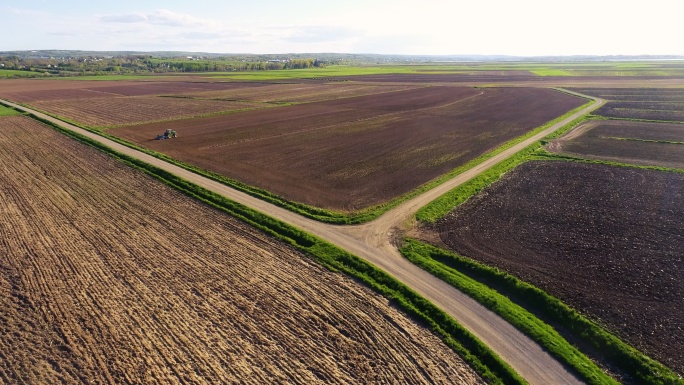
{"x": 415, "y": 27}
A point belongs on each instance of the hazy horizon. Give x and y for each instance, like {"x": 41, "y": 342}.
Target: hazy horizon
{"x": 524, "y": 28}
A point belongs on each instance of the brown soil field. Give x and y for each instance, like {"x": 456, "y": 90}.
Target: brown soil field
{"x": 640, "y": 103}
{"x": 300, "y": 92}
{"x": 643, "y": 143}
{"x": 606, "y": 240}
{"x": 352, "y": 153}
{"x": 31, "y": 90}
{"x": 107, "y": 276}
{"x": 116, "y": 111}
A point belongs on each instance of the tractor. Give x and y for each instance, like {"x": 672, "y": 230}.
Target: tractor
{"x": 168, "y": 134}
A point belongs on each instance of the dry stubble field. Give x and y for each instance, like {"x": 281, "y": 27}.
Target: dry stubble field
{"x": 107, "y": 276}
{"x": 606, "y": 240}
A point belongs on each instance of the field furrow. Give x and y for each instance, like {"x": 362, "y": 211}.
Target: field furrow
{"x": 107, "y": 276}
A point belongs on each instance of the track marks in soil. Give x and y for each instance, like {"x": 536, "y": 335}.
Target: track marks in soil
{"x": 606, "y": 240}
{"x": 110, "y": 277}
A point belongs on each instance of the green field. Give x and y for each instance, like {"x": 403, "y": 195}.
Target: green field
{"x": 6, "y": 111}
{"x": 551, "y": 68}
{"x": 17, "y": 73}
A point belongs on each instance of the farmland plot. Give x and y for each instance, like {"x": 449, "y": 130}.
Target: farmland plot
{"x": 300, "y": 92}
{"x": 352, "y": 153}
{"x": 606, "y": 240}
{"x": 107, "y": 276}
{"x": 115, "y": 111}
{"x": 27, "y": 91}
{"x": 665, "y": 104}
{"x": 643, "y": 143}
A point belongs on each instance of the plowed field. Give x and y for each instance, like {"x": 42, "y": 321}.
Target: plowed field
{"x": 352, "y": 153}
{"x": 644, "y": 143}
{"x": 606, "y": 240}
{"x": 640, "y": 103}
{"x": 300, "y": 92}
{"x": 31, "y": 90}
{"x": 107, "y": 276}
{"x": 114, "y": 111}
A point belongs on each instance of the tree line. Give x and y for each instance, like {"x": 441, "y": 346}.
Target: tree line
{"x": 133, "y": 64}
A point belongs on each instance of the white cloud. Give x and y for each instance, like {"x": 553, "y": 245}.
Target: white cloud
{"x": 163, "y": 17}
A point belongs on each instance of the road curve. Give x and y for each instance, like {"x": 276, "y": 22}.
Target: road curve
{"x": 372, "y": 241}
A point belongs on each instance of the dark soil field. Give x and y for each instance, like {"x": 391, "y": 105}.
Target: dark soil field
{"x": 300, "y": 92}
{"x": 31, "y": 90}
{"x": 118, "y": 111}
{"x": 352, "y": 153}
{"x": 643, "y": 143}
{"x": 110, "y": 277}
{"x": 606, "y": 240}
{"x": 665, "y": 104}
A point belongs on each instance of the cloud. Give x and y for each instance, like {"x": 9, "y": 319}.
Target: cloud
{"x": 163, "y": 17}
{"x": 131, "y": 18}
{"x": 318, "y": 34}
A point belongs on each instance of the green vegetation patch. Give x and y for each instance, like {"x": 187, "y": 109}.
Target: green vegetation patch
{"x": 551, "y": 72}
{"x": 522, "y": 305}
{"x": 8, "y": 111}
{"x": 21, "y": 74}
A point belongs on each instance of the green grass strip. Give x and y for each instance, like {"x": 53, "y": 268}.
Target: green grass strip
{"x": 521, "y": 304}
{"x": 480, "y": 357}
{"x": 8, "y": 111}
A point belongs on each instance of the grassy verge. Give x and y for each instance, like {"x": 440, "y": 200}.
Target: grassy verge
{"x": 484, "y": 361}
{"x": 8, "y": 111}
{"x": 521, "y": 304}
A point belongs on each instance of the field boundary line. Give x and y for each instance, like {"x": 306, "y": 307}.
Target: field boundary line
{"x": 481, "y": 358}
{"x": 372, "y": 242}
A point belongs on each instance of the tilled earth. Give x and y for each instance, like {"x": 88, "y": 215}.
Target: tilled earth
{"x": 349, "y": 154}
{"x": 110, "y": 277}
{"x": 609, "y": 241}
{"x": 644, "y": 143}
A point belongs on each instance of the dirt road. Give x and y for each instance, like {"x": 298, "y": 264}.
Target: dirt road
{"x": 372, "y": 241}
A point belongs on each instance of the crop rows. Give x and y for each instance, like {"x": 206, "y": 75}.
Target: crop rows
{"x": 107, "y": 276}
